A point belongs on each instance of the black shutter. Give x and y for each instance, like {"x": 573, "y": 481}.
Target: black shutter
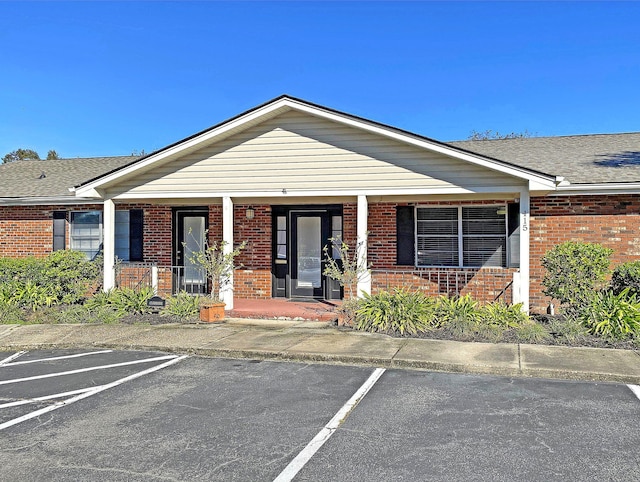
{"x": 136, "y": 227}
{"x": 513, "y": 228}
{"x": 59, "y": 230}
{"x": 405, "y": 236}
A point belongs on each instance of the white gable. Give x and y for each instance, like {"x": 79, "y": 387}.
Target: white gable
{"x": 297, "y": 149}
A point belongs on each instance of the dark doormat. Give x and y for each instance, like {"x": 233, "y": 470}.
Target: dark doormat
{"x": 304, "y": 300}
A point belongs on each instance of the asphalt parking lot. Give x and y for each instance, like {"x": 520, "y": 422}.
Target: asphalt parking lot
{"x": 126, "y": 415}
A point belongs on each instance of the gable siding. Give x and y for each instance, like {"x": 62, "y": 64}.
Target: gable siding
{"x": 299, "y": 152}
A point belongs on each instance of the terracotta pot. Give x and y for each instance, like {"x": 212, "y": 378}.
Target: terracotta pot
{"x": 212, "y": 312}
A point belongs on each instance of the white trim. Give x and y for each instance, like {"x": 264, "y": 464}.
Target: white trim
{"x": 362, "y": 218}
{"x": 45, "y": 201}
{"x": 509, "y": 191}
{"x": 285, "y": 104}
{"x": 109, "y": 243}
{"x": 597, "y": 189}
{"x": 226, "y": 294}
{"x": 525, "y": 230}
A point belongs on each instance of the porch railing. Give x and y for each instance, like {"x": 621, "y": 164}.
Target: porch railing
{"x": 164, "y": 280}
{"x": 134, "y": 275}
{"x": 188, "y": 278}
{"x": 493, "y": 284}
{"x": 490, "y": 284}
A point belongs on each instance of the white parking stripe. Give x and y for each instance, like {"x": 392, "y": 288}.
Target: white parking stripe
{"x": 99, "y": 389}
{"x": 635, "y": 389}
{"x": 318, "y": 441}
{"x": 89, "y": 369}
{"x": 57, "y": 357}
{"x": 11, "y": 357}
{"x": 46, "y": 397}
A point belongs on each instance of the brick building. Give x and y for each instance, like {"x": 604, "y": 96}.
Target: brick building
{"x": 287, "y": 176}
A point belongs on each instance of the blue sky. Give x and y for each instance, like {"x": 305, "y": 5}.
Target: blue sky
{"x": 109, "y": 78}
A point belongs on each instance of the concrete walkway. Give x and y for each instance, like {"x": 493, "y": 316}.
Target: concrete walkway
{"x": 323, "y": 342}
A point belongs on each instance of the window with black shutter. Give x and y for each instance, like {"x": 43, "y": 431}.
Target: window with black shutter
{"x": 59, "y": 230}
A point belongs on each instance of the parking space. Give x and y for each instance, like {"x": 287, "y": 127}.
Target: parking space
{"x": 35, "y": 383}
{"x": 220, "y": 419}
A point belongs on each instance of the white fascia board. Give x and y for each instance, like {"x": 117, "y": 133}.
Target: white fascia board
{"x": 477, "y": 159}
{"x": 316, "y": 193}
{"x": 598, "y": 189}
{"x": 192, "y": 143}
{"x": 287, "y": 103}
{"x": 42, "y": 201}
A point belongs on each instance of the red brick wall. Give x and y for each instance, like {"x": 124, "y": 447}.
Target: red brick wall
{"x": 28, "y": 230}
{"x": 485, "y": 284}
{"x": 251, "y": 283}
{"x": 253, "y": 279}
{"x": 257, "y": 234}
{"x": 613, "y": 221}
{"x": 350, "y": 223}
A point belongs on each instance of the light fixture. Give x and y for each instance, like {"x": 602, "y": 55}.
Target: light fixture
{"x": 501, "y": 211}
{"x": 250, "y": 213}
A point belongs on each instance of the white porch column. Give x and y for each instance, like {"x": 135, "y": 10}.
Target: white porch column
{"x": 108, "y": 243}
{"x": 226, "y": 294}
{"x": 364, "y": 281}
{"x": 524, "y": 248}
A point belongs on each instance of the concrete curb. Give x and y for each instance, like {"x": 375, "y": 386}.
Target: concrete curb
{"x": 319, "y": 344}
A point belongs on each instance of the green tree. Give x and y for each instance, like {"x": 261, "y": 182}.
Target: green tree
{"x": 489, "y": 134}
{"x": 21, "y": 155}
{"x": 52, "y": 155}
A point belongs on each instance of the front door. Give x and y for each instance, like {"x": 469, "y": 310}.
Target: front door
{"x": 300, "y": 236}
{"x": 308, "y": 236}
{"x": 190, "y": 228}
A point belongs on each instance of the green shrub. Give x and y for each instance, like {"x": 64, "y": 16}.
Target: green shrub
{"x": 71, "y": 272}
{"x": 626, "y": 275}
{"x": 457, "y": 309}
{"x": 399, "y": 311}
{"x": 183, "y": 306}
{"x": 30, "y": 295}
{"x": 530, "y": 331}
{"x": 501, "y": 314}
{"x": 574, "y": 272}
{"x": 11, "y": 313}
{"x": 613, "y": 316}
{"x": 123, "y": 300}
{"x": 568, "y": 329}
{"x": 61, "y": 277}
{"x": 19, "y": 269}
{"x": 78, "y": 314}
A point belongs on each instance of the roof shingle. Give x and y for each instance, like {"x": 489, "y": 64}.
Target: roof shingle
{"x": 584, "y": 159}
{"x": 53, "y": 178}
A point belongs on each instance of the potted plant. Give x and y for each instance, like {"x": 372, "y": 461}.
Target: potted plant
{"x": 219, "y": 266}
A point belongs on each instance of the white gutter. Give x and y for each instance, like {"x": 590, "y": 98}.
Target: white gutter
{"x": 41, "y": 201}
{"x": 598, "y": 189}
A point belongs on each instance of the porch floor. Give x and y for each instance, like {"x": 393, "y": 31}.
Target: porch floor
{"x": 282, "y": 308}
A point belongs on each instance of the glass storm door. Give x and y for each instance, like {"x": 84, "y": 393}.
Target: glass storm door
{"x": 306, "y": 264}
{"x": 190, "y": 235}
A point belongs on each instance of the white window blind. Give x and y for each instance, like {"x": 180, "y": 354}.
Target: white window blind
{"x": 86, "y": 232}
{"x": 461, "y": 236}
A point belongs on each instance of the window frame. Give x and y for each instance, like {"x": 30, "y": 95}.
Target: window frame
{"x": 461, "y": 235}
{"x": 73, "y": 239}
{"x": 136, "y": 253}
